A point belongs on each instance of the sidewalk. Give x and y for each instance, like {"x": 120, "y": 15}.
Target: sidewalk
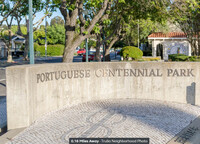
{"x": 130, "y": 118}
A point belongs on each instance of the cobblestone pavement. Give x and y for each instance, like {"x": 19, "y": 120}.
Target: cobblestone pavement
{"x": 123, "y": 118}
{"x": 3, "y": 115}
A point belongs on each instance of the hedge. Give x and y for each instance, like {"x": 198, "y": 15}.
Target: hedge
{"x": 182, "y": 57}
{"x": 132, "y": 52}
{"x": 52, "y": 50}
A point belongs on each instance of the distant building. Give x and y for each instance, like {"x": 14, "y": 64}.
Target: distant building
{"x": 169, "y": 43}
{"x": 3, "y": 50}
{"x": 17, "y": 42}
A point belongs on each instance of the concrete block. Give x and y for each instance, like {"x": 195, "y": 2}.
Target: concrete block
{"x": 33, "y": 90}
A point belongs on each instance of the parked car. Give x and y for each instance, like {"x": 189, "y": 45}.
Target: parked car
{"x": 91, "y": 56}
{"x": 81, "y": 51}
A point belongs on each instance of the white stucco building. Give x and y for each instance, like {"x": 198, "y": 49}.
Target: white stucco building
{"x": 170, "y": 43}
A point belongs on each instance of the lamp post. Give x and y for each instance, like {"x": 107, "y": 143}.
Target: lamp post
{"x": 85, "y": 12}
{"x": 138, "y": 34}
{"x": 86, "y": 47}
{"x": 46, "y": 31}
{"x": 46, "y": 36}
{"x": 31, "y": 49}
{"x": 103, "y": 46}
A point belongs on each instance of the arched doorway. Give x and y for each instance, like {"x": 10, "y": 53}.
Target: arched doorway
{"x": 159, "y": 50}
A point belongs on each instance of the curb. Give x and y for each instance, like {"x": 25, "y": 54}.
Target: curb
{"x": 188, "y": 135}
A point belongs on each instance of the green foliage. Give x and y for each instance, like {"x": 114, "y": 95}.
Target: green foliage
{"x": 39, "y": 36}
{"x": 52, "y": 50}
{"x": 85, "y": 32}
{"x": 55, "y": 35}
{"x": 57, "y": 20}
{"x": 146, "y": 27}
{"x": 96, "y": 29}
{"x": 119, "y": 44}
{"x": 182, "y": 57}
{"x": 178, "y": 57}
{"x": 91, "y": 43}
{"x": 131, "y": 51}
{"x": 14, "y": 29}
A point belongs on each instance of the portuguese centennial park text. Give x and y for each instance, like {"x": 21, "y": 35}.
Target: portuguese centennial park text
{"x": 73, "y": 74}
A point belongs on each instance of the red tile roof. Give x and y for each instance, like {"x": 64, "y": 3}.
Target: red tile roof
{"x": 169, "y": 35}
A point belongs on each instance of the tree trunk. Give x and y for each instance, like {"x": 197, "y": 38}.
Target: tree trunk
{"x": 97, "y": 55}
{"x": 108, "y": 47}
{"x": 68, "y": 54}
{"x": 107, "y": 52}
{"x": 70, "y": 45}
{"x": 9, "y": 58}
{"x": 26, "y": 48}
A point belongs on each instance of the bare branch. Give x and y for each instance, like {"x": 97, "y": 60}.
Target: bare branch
{"x": 17, "y": 4}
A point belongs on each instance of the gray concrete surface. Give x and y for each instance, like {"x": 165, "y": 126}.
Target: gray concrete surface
{"x": 188, "y": 135}
{"x": 34, "y": 90}
{"x": 20, "y": 61}
{"x": 123, "y": 118}
{"x": 3, "y": 114}
{"x": 8, "y": 136}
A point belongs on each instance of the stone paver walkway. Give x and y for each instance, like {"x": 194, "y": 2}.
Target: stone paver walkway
{"x": 3, "y": 115}
{"x": 123, "y": 118}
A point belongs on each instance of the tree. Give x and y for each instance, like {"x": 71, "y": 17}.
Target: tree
{"x": 7, "y": 11}
{"x": 72, "y": 12}
{"x": 186, "y": 15}
{"x": 124, "y": 21}
{"x": 22, "y": 12}
{"x": 55, "y": 35}
{"x": 146, "y": 27}
{"x": 79, "y": 26}
{"x": 57, "y": 20}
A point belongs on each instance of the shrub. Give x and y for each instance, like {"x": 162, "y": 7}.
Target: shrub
{"x": 132, "y": 52}
{"x": 178, "y": 57}
{"x": 192, "y": 58}
{"x": 182, "y": 57}
{"x": 52, "y": 50}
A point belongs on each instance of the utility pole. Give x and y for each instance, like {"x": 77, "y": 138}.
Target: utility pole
{"x": 138, "y": 34}
{"x": 31, "y": 49}
{"x": 103, "y": 45}
{"x": 86, "y": 47}
{"x": 46, "y": 34}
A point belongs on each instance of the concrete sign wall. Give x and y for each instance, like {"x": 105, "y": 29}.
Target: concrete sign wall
{"x": 35, "y": 90}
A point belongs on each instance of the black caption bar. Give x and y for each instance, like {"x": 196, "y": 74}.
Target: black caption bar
{"x": 108, "y": 140}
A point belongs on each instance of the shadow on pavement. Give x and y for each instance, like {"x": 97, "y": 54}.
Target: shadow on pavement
{"x": 170, "y": 118}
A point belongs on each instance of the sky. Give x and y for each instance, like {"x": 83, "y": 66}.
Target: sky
{"x": 39, "y": 15}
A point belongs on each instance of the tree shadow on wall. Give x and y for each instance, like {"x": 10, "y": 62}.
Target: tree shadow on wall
{"x": 190, "y": 94}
